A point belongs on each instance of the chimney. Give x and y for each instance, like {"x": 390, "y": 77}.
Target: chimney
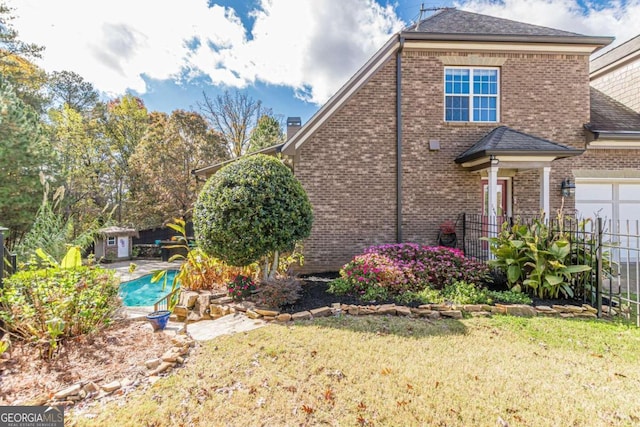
{"x": 293, "y": 125}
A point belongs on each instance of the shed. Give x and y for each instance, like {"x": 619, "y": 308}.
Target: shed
{"x": 115, "y": 243}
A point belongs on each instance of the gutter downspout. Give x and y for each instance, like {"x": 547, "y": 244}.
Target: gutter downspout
{"x": 399, "y": 141}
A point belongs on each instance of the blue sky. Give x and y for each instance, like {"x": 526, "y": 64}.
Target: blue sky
{"x": 290, "y": 54}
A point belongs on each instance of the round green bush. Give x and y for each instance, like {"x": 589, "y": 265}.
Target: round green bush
{"x": 251, "y": 208}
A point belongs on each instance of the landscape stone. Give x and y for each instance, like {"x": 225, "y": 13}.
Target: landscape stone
{"x": 301, "y": 315}
{"x": 152, "y": 363}
{"x": 544, "y": 308}
{"x": 91, "y": 387}
{"x": 403, "y": 311}
{"x": 472, "y": 307}
{"x": 252, "y": 314}
{"x": 521, "y": 310}
{"x": 69, "y": 391}
{"x": 188, "y": 299}
{"x": 574, "y": 309}
{"x": 163, "y": 367}
{"x": 321, "y": 312}
{"x": 181, "y": 311}
{"x": 112, "y": 386}
{"x": 387, "y": 309}
{"x": 266, "y": 312}
{"x": 452, "y": 314}
{"x": 283, "y": 317}
{"x": 480, "y": 314}
{"x": 590, "y": 309}
{"x": 222, "y": 300}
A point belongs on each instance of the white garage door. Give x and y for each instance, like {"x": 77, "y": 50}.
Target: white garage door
{"x": 618, "y": 203}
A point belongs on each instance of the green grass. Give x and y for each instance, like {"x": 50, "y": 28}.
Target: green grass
{"x": 390, "y": 371}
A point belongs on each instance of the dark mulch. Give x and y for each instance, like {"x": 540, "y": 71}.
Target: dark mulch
{"x": 315, "y": 295}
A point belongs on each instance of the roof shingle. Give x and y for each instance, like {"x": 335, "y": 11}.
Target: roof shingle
{"x": 454, "y": 21}
{"x": 609, "y": 115}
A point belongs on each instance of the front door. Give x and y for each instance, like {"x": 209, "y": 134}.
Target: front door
{"x": 502, "y": 198}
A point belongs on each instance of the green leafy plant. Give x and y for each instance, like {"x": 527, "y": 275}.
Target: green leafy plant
{"x": 48, "y": 305}
{"x": 252, "y": 210}
{"x": 509, "y": 297}
{"x": 465, "y": 293}
{"x": 198, "y": 270}
{"x": 426, "y": 296}
{"x": 535, "y": 258}
{"x": 241, "y": 287}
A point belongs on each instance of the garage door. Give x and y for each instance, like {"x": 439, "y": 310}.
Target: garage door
{"x": 618, "y": 203}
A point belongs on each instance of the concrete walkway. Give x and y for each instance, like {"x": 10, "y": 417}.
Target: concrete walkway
{"x": 203, "y": 330}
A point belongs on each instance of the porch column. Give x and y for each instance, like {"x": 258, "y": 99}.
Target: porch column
{"x": 544, "y": 190}
{"x": 492, "y": 205}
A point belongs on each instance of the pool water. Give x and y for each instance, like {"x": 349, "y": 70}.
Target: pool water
{"x": 141, "y": 292}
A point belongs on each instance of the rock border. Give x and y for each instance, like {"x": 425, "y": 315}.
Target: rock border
{"x": 196, "y": 306}
{"x": 88, "y": 390}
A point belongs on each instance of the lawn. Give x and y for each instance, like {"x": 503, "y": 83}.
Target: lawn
{"x": 391, "y": 371}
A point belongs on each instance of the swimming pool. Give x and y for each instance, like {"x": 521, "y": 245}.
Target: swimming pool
{"x": 141, "y": 292}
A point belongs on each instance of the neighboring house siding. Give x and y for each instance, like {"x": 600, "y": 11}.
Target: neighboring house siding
{"x": 348, "y": 170}
{"x": 622, "y": 84}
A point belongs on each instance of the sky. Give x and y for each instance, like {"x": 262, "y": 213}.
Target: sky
{"x": 292, "y": 55}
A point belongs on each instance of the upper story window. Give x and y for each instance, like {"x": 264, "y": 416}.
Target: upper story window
{"x": 471, "y": 94}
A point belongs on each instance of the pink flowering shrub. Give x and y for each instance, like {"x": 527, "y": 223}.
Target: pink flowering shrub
{"x": 241, "y": 287}
{"x": 388, "y": 271}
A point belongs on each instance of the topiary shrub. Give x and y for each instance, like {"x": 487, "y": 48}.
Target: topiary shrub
{"x": 250, "y": 210}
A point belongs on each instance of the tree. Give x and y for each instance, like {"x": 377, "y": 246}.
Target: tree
{"x": 16, "y": 65}
{"x": 267, "y": 133}
{"x": 83, "y": 164}
{"x": 252, "y": 209}
{"x": 123, "y": 122}
{"x": 23, "y": 155}
{"x": 162, "y": 185}
{"x": 70, "y": 88}
{"x": 234, "y": 117}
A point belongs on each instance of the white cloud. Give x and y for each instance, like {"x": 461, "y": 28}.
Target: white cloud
{"x": 312, "y": 46}
{"x": 617, "y": 18}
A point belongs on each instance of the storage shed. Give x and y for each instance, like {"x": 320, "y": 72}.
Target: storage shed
{"x": 115, "y": 243}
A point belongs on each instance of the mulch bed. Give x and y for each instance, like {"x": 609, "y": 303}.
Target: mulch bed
{"x": 315, "y": 295}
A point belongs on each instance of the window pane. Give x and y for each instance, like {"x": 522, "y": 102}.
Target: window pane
{"x": 456, "y": 81}
{"x": 485, "y": 82}
{"x": 457, "y": 108}
{"x": 484, "y": 109}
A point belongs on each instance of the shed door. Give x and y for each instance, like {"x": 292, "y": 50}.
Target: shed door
{"x": 123, "y": 247}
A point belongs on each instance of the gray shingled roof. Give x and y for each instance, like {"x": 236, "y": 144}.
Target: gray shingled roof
{"x": 609, "y": 115}
{"x": 454, "y": 21}
{"x": 625, "y": 49}
{"x": 504, "y": 140}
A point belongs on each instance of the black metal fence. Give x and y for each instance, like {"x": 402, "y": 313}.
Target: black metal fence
{"x": 610, "y": 248}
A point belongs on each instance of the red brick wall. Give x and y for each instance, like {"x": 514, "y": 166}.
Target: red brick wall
{"x": 348, "y": 165}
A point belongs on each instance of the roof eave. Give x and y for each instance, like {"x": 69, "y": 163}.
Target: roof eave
{"x": 587, "y": 40}
{"x": 615, "y": 134}
{"x": 558, "y": 154}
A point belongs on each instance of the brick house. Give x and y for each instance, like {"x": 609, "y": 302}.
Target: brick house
{"x": 461, "y": 112}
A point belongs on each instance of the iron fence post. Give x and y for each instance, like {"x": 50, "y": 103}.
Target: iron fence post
{"x": 464, "y": 233}
{"x": 599, "y": 266}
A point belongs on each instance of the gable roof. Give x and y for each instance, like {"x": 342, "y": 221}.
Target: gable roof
{"x": 623, "y": 52}
{"x": 506, "y": 141}
{"x": 454, "y": 21}
{"x": 483, "y": 29}
{"x": 611, "y": 116}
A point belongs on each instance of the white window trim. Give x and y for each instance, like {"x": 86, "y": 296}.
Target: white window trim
{"x": 471, "y": 94}
{"x": 111, "y": 242}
